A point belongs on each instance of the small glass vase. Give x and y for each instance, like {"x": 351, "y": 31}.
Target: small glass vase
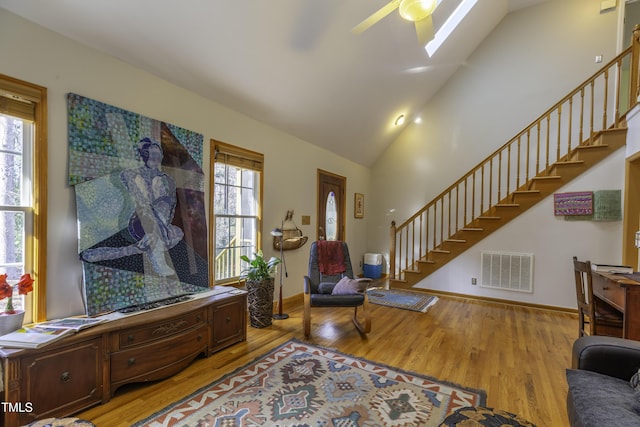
{"x": 11, "y": 322}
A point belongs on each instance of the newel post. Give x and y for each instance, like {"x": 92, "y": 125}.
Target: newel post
{"x": 392, "y": 251}
{"x": 633, "y": 73}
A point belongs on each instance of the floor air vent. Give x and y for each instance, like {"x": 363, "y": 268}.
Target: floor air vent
{"x": 507, "y": 271}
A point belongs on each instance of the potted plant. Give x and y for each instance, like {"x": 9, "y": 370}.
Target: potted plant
{"x": 260, "y": 284}
{"x": 11, "y": 319}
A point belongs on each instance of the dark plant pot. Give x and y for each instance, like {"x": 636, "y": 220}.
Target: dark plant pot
{"x": 260, "y": 298}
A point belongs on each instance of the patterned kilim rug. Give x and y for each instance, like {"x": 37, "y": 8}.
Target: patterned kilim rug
{"x": 416, "y": 301}
{"x": 299, "y": 384}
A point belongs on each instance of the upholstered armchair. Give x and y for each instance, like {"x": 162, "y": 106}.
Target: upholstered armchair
{"x": 330, "y": 284}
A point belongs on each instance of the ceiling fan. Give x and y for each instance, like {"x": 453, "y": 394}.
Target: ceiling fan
{"x": 417, "y": 11}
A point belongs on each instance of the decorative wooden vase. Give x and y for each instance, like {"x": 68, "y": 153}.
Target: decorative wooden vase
{"x": 260, "y": 299}
{"x": 11, "y": 322}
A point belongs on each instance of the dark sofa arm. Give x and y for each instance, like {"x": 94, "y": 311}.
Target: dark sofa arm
{"x": 611, "y": 356}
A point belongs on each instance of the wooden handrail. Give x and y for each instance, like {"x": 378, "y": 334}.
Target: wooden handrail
{"x": 530, "y": 153}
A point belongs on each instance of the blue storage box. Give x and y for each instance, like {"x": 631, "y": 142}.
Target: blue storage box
{"x": 373, "y": 271}
{"x": 372, "y": 266}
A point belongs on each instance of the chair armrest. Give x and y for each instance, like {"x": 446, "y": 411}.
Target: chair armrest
{"x": 616, "y": 357}
{"x": 307, "y": 285}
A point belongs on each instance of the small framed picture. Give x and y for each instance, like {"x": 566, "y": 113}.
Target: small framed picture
{"x": 358, "y": 206}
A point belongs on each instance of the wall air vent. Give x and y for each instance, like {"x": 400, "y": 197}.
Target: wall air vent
{"x": 507, "y": 271}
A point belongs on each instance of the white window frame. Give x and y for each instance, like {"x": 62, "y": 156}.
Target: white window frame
{"x": 21, "y": 302}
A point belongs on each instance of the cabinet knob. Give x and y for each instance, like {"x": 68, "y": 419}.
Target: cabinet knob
{"x": 199, "y": 338}
{"x": 131, "y": 338}
{"x": 132, "y": 361}
{"x": 65, "y": 377}
{"x": 228, "y": 319}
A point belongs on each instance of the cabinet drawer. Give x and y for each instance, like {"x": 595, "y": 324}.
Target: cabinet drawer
{"x": 609, "y": 292}
{"x": 158, "y": 359}
{"x": 63, "y": 381}
{"x": 135, "y": 337}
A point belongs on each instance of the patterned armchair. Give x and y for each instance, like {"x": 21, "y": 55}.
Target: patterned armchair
{"x": 330, "y": 283}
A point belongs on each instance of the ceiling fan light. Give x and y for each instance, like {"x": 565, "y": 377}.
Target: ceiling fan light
{"x": 416, "y": 10}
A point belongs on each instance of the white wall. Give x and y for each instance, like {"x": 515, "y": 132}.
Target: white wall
{"x": 531, "y": 60}
{"x": 32, "y": 53}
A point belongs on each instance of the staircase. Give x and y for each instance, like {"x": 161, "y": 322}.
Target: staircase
{"x": 561, "y": 144}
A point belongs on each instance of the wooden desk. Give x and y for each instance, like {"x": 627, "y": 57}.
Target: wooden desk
{"x": 623, "y": 294}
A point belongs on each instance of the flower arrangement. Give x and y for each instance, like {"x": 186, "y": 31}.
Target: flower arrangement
{"x": 24, "y": 286}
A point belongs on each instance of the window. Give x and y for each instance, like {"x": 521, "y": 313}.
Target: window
{"x": 236, "y": 208}
{"x": 23, "y": 191}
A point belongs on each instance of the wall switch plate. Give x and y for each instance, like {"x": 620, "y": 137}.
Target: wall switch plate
{"x": 474, "y": 281}
{"x": 306, "y": 220}
{"x": 598, "y": 59}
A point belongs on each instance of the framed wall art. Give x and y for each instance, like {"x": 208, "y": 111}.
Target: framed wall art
{"x": 358, "y": 205}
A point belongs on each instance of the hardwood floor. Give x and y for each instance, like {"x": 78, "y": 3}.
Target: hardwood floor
{"x": 518, "y": 355}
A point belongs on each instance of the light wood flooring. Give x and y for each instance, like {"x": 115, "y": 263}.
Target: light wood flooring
{"x": 518, "y": 355}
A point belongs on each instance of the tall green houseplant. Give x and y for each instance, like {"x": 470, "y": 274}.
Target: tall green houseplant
{"x": 259, "y": 269}
{"x": 260, "y": 285}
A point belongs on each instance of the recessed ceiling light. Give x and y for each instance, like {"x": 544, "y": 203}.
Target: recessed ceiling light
{"x": 399, "y": 120}
{"x": 417, "y": 120}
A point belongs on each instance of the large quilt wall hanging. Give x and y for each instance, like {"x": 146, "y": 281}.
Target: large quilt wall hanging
{"x": 139, "y": 189}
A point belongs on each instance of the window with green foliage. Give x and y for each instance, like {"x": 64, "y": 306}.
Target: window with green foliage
{"x": 23, "y": 155}
{"x": 237, "y": 208}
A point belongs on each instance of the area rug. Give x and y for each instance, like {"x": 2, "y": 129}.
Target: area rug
{"x": 298, "y": 384}
{"x": 408, "y": 300}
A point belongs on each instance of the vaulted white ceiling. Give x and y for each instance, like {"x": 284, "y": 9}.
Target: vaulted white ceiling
{"x": 292, "y": 64}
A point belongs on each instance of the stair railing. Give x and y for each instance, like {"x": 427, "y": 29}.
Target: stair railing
{"x": 597, "y": 104}
{"x": 227, "y": 260}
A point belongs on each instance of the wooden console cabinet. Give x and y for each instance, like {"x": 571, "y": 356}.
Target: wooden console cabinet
{"x": 87, "y": 368}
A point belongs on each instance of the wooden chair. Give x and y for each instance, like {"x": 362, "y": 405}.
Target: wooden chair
{"x": 594, "y": 316}
{"x": 319, "y": 286}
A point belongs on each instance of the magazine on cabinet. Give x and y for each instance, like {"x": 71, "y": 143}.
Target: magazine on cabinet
{"x": 33, "y": 337}
{"x": 74, "y": 323}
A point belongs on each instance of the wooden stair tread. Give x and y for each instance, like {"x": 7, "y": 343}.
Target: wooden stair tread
{"x": 526, "y": 192}
{"x": 472, "y": 229}
{"x": 550, "y": 177}
{"x": 490, "y": 218}
{"x": 426, "y": 261}
{"x": 591, "y": 147}
{"x": 456, "y": 240}
{"x": 440, "y": 251}
{"x": 507, "y": 205}
{"x": 569, "y": 162}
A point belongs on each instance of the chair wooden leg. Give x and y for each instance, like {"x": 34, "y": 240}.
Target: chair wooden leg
{"x": 306, "y": 317}
{"x": 364, "y": 327}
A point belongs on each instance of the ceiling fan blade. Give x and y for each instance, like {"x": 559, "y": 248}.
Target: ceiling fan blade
{"x": 424, "y": 30}
{"x": 377, "y": 16}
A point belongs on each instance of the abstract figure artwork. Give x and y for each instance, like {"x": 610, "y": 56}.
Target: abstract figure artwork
{"x": 139, "y": 190}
